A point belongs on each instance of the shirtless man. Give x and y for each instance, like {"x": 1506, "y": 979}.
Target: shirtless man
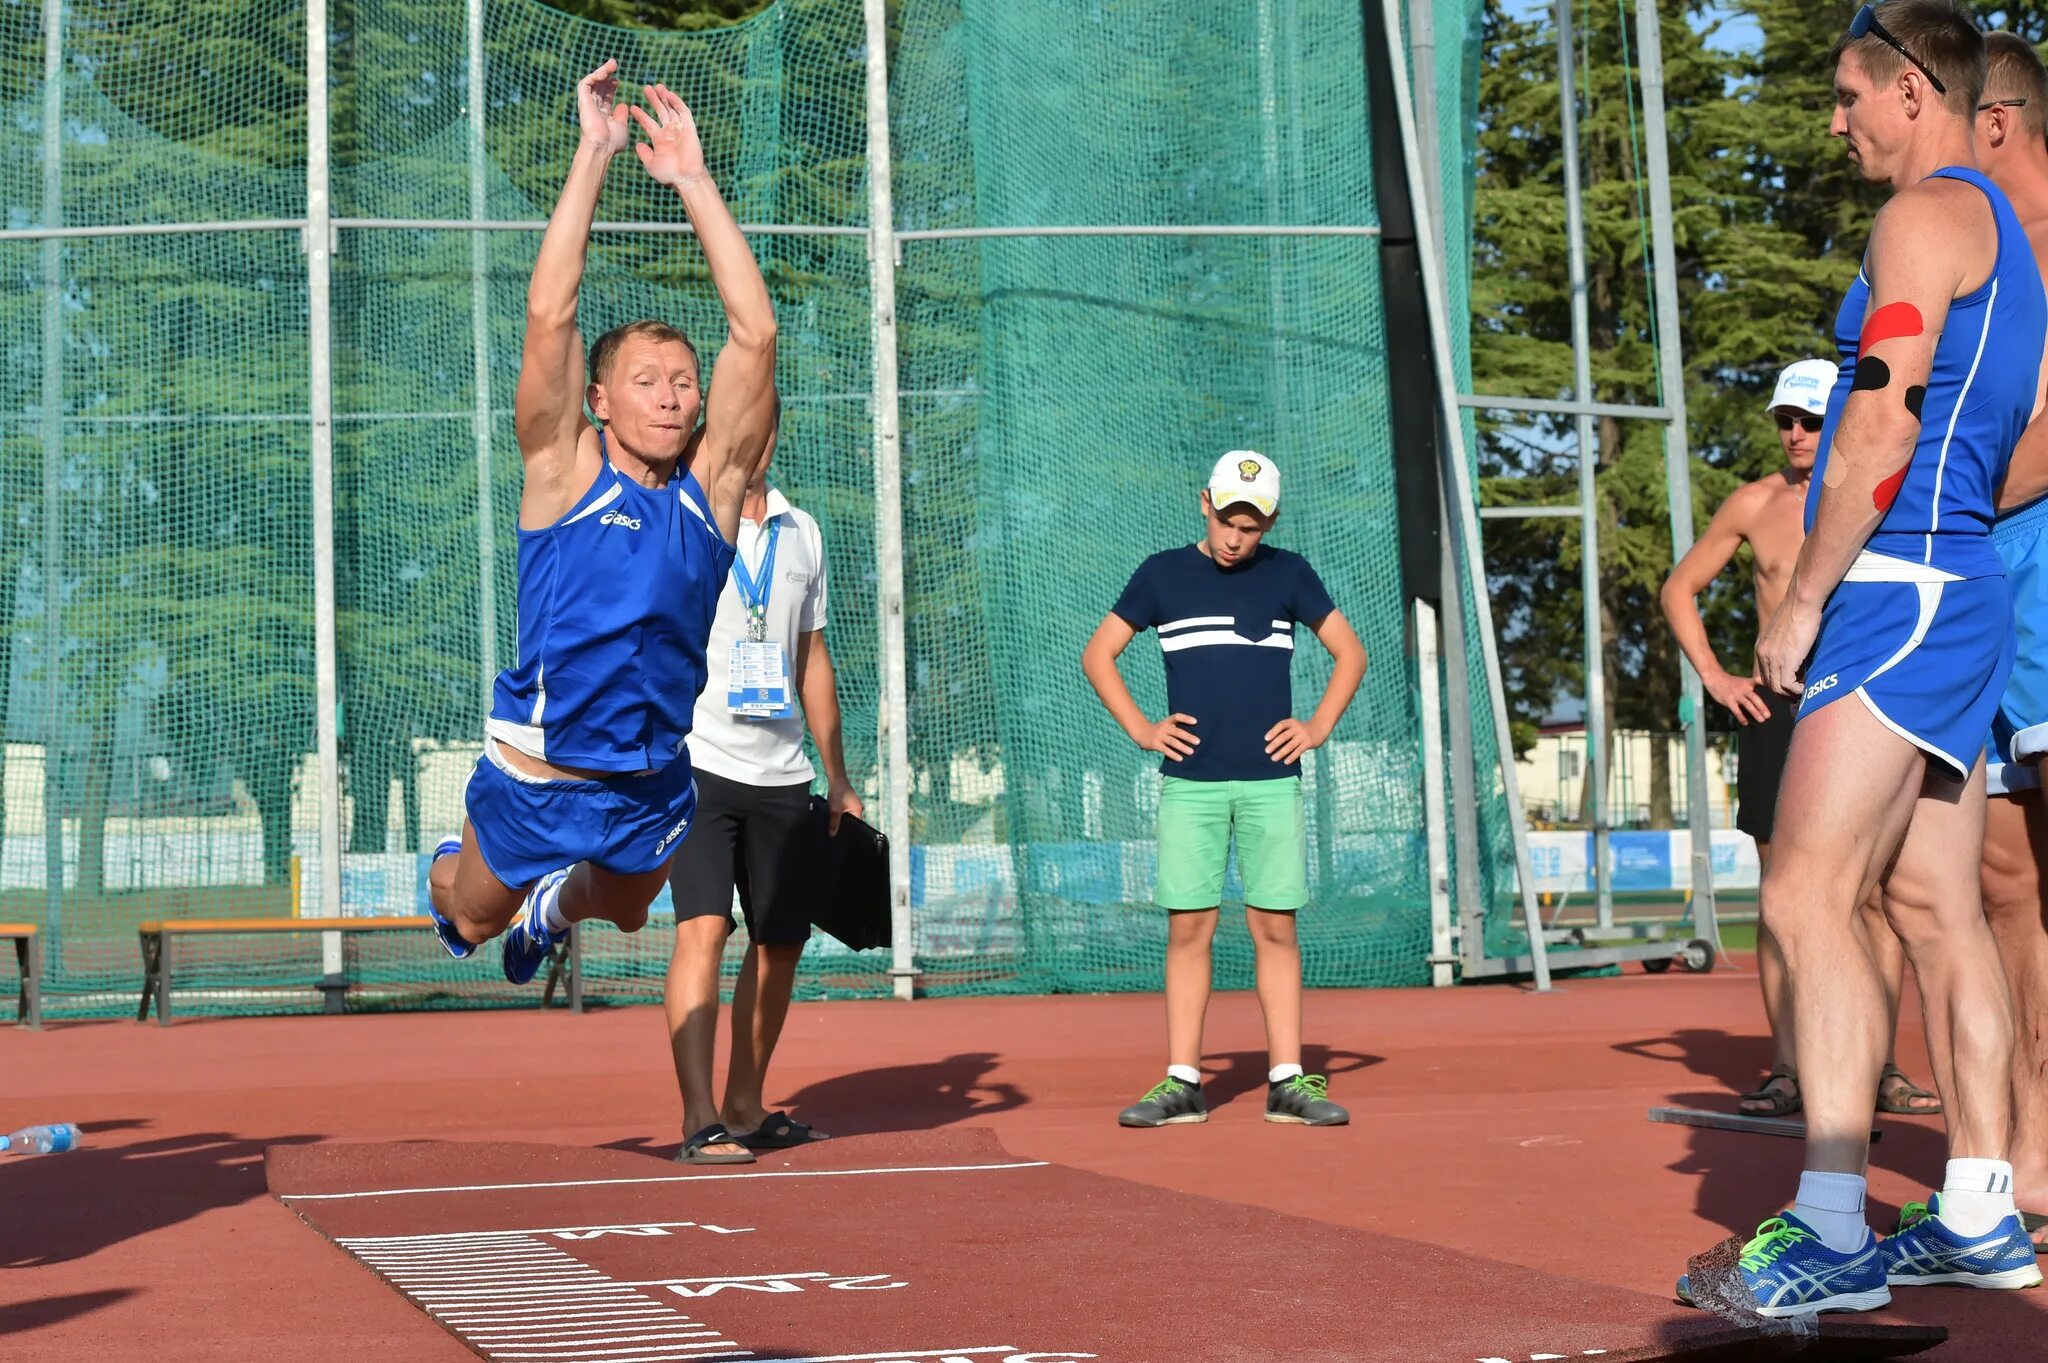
{"x": 1767, "y": 516}
{"x": 2012, "y": 121}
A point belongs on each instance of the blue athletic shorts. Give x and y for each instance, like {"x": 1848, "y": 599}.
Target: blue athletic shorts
{"x": 2019, "y": 731}
{"x": 1928, "y": 658}
{"x": 527, "y": 827}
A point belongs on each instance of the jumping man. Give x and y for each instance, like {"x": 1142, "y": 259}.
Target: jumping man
{"x": 584, "y": 787}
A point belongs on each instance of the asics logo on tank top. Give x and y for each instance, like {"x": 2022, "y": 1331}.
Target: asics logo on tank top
{"x": 619, "y": 518}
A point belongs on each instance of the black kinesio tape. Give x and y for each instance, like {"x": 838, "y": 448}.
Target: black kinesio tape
{"x": 1914, "y": 397}
{"x": 1871, "y": 375}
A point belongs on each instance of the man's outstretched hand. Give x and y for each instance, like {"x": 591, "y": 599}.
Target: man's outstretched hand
{"x": 672, "y": 153}
{"x": 603, "y": 119}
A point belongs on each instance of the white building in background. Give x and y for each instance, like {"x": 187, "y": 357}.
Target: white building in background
{"x": 1552, "y": 777}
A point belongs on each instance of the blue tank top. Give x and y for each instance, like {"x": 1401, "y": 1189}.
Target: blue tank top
{"x": 615, "y": 605}
{"x": 1980, "y": 394}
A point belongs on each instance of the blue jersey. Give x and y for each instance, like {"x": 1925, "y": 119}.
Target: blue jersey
{"x": 1979, "y": 397}
{"x": 615, "y": 605}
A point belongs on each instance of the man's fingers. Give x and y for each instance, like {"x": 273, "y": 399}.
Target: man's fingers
{"x": 646, "y": 123}
{"x": 645, "y": 153}
{"x": 611, "y": 64}
{"x": 832, "y": 825}
{"x": 1182, "y": 719}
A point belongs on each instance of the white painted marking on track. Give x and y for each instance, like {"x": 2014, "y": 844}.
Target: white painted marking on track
{"x": 668, "y": 1178}
{"x": 354, "y": 1240}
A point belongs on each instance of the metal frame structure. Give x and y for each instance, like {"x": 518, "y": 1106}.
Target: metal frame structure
{"x": 1439, "y": 627}
{"x": 1585, "y": 408}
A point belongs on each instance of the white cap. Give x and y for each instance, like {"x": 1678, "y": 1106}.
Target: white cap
{"x": 1806, "y": 386}
{"x": 1245, "y": 476}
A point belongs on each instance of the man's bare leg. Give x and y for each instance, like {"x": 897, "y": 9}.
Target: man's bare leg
{"x": 2015, "y": 838}
{"x": 1848, "y": 796}
{"x": 689, "y": 1001}
{"x": 1277, "y": 964}
{"x": 760, "y": 1004}
{"x": 1931, "y": 897}
{"x": 468, "y": 895}
{"x": 1890, "y": 954}
{"x": 1779, "y": 1095}
{"x": 1189, "y": 937}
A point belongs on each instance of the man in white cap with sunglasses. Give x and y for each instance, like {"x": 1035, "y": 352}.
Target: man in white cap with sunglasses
{"x": 1228, "y": 608}
{"x": 1767, "y": 516}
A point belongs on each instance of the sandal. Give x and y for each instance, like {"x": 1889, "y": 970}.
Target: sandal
{"x": 780, "y": 1131}
{"x": 694, "y": 1149}
{"x": 1775, "y": 1102}
{"x": 1899, "y": 1098}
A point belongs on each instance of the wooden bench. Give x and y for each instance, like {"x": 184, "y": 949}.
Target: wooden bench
{"x": 28, "y": 951}
{"x": 159, "y": 954}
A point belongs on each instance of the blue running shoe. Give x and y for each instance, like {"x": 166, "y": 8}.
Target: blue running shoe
{"x": 528, "y": 942}
{"x": 1925, "y": 1250}
{"x": 1790, "y": 1271}
{"x": 444, "y": 929}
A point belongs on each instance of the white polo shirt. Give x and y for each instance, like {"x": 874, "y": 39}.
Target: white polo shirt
{"x": 762, "y": 752}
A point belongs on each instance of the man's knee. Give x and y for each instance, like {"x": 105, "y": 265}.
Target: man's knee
{"x": 702, "y": 935}
{"x": 1271, "y": 928}
{"x": 1190, "y": 928}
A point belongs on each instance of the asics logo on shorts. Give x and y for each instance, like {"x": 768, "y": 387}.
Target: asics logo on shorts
{"x": 670, "y": 837}
{"x": 619, "y": 518}
{"x": 1826, "y": 683}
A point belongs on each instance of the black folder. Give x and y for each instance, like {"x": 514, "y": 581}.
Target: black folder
{"x": 852, "y": 880}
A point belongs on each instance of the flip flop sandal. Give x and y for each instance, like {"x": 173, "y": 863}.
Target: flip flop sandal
{"x": 780, "y": 1131}
{"x": 694, "y": 1151}
{"x": 1898, "y": 1099}
{"x": 1778, "y": 1102}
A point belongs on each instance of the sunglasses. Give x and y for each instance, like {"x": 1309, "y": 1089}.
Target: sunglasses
{"x": 2002, "y": 104}
{"x": 1865, "y": 24}
{"x": 1810, "y": 424}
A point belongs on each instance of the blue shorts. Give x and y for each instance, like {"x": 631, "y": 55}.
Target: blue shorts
{"x": 2019, "y": 731}
{"x": 527, "y": 827}
{"x": 1928, "y": 658}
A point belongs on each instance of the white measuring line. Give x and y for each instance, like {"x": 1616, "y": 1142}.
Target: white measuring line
{"x": 671, "y": 1178}
{"x": 602, "y": 1325}
{"x": 486, "y": 1235}
{"x": 724, "y": 1347}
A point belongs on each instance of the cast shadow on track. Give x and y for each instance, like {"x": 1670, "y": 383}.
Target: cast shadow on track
{"x": 63, "y": 1207}
{"x": 1738, "y": 1174}
{"x": 1225, "y": 1077}
{"x": 40, "y": 1311}
{"x": 916, "y": 1097}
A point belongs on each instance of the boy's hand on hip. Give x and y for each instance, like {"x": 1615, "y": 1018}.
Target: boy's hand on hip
{"x": 1171, "y": 737}
{"x": 1289, "y": 739}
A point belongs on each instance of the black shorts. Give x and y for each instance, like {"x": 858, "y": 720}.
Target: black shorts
{"x": 1760, "y": 749}
{"x": 760, "y": 840}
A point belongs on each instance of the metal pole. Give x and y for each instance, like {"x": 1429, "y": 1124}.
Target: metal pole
{"x": 1464, "y": 505}
{"x": 1589, "y": 525}
{"x": 1677, "y": 453}
{"x": 480, "y": 346}
{"x": 53, "y": 455}
{"x": 319, "y": 245}
{"x": 1457, "y": 677}
{"x": 892, "y": 722}
{"x": 1434, "y": 839}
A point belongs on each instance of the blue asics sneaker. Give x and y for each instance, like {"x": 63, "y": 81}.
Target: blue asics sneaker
{"x": 1789, "y": 1271}
{"x": 528, "y": 942}
{"x": 1925, "y": 1250}
{"x": 444, "y": 929}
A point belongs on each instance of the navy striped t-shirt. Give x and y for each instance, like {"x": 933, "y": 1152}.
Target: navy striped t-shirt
{"x": 1228, "y": 636}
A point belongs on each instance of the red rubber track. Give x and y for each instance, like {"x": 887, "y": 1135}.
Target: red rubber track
{"x": 1499, "y": 1188}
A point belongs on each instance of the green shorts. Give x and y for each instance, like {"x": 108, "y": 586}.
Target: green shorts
{"x": 1197, "y": 820}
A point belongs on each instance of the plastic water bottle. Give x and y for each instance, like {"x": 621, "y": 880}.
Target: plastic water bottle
{"x": 41, "y": 1140}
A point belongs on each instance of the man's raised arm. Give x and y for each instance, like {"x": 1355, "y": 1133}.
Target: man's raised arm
{"x": 739, "y": 412}
{"x": 548, "y": 407}
{"x": 1921, "y": 250}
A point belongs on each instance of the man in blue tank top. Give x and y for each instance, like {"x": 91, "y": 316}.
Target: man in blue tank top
{"x": 1896, "y": 632}
{"x": 625, "y": 537}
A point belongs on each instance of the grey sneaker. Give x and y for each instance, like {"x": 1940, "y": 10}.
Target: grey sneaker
{"x": 1171, "y": 1102}
{"x": 1304, "y": 1100}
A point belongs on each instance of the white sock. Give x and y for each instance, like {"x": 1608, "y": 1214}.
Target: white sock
{"x": 1187, "y": 1074}
{"x": 1281, "y": 1073}
{"x": 551, "y": 906}
{"x": 1833, "y": 1205}
{"x": 1976, "y": 1195}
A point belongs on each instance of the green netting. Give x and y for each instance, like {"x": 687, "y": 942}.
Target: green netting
{"x": 1060, "y": 398}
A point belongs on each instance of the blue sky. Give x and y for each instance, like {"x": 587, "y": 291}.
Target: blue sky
{"x": 1741, "y": 34}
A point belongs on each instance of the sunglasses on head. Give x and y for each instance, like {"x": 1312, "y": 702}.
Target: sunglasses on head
{"x": 1865, "y": 24}
{"x": 2001, "y": 104}
{"x": 1810, "y": 424}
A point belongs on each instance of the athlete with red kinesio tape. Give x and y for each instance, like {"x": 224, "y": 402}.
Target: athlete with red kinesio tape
{"x": 1896, "y": 631}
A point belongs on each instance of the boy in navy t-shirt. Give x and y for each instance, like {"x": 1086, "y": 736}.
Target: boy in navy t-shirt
{"x": 1226, "y": 608}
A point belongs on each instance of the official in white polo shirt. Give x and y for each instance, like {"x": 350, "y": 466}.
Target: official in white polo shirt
{"x": 769, "y": 674}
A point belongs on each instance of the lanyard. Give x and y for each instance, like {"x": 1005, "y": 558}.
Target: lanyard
{"x": 754, "y": 588}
